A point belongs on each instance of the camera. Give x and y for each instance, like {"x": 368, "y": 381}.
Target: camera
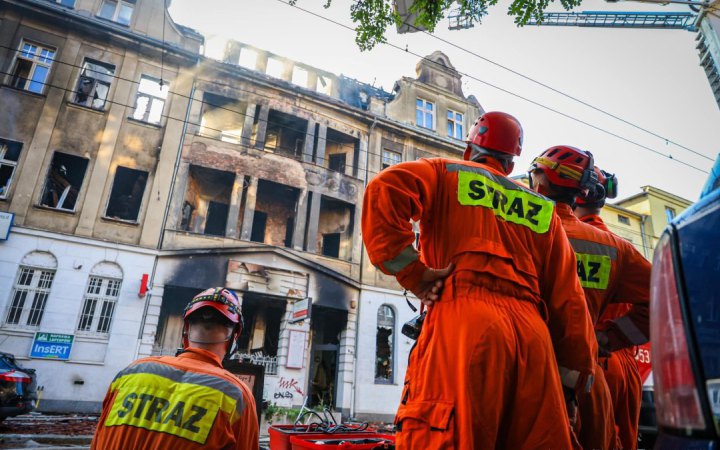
{"x": 413, "y": 327}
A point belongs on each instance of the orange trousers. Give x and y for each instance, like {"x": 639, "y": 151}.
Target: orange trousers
{"x": 595, "y": 427}
{"x": 483, "y": 375}
{"x": 625, "y": 386}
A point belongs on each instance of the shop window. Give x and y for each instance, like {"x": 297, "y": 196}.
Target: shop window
{"x": 425, "y": 114}
{"x": 384, "y": 348}
{"x": 150, "y": 100}
{"x": 99, "y": 303}
{"x": 207, "y": 201}
{"x": 623, "y": 219}
{"x": 32, "y": 67}
{"x": 63, "y": 182}
{"x": 127, "y": 193}
{"x": 222, "y": 118}
{"x": 31, "y": 290}
{"x": 390, "y": 158}
{"x": 455, "y": 124}
{"x": 117, "y": 11}
{"x": 9, "y": 156}
{"x": 94, "y": 84}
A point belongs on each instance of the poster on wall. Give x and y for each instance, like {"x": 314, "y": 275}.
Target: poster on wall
{"x": 296, "y": 350}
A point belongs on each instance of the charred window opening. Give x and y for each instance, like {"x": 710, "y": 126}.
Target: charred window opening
{"x": 384, "y": 349}
{"x": 222, "y": 118}
{"x": 126, "y": 195}
{"x": 275, "y": 210}
{"x": 207, "y": 201}
{"x": 94, "y": 84}
{"x": 9, "y": 156}
{"x": 285, "y": 134}
{"x": 63, "y": 182}
{"x": 335, "y": 232}
{"x": 262, "y": 317}
{"x": 340, "y": 151}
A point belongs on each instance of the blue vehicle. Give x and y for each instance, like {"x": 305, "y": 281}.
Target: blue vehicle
{"x": 685, "y": 325}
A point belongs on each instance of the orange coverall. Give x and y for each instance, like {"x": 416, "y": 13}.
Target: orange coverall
{"x": 483, "y": 374}
{"x": 621, "y": 370}
{"x": 178, "y": 403}
{"x": 611, "y": 270}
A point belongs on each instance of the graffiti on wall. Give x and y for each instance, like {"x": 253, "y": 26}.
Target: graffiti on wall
{"x": 285, "y": 391}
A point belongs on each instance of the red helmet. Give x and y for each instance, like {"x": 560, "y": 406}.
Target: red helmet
{"x": 606, "y": 187}
{"x": 496, "y": 131}
{"x": 221, "y": 299}
{"x": 568, "y": 167}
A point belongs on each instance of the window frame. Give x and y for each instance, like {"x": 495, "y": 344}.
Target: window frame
{"x": 47, "y": 176}
{"x": 90, "y": 100}
{"x": 116, "y": 11}
{"x": 457, "y": 124}
{"x": 393, "y": 345}
{"x": 625, "y": 220}
{"x": 8, "y": 163}
{"x": 101, "y": 302}
{"x": 151, "y": 100}
{"x": 383, "y": 158}
{"x": 34, "y": 290}
{"x": 142, "y": 196}
{"x": 37, "y": 60}
{"x": 424, "y": 110}
{"x": 670, "y": 214}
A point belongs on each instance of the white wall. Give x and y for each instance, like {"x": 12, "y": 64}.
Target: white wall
{"x": 372, "y": 399}
{"x": 93, "y": 360}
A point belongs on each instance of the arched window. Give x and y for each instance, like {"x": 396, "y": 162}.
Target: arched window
{"x": 384, "y": 348}
{"x": 32, "y": 288}
{"x": 101, "y": 296}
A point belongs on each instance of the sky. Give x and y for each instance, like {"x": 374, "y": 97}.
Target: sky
{"x": 649, "y": 78}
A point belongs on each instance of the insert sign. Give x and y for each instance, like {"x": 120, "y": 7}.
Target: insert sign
{"x": 52, "y": 346}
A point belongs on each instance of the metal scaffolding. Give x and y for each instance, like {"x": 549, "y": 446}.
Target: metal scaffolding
{"x": 617, "y": 19}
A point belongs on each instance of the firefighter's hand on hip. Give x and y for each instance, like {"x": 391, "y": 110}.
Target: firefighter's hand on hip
{"x": 430, "y": 287}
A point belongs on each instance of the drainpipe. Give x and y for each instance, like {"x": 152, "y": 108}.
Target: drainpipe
{"x": 643, "y": 236}
{"x": 151, "y": 282}
{"x": 362, "y": 261}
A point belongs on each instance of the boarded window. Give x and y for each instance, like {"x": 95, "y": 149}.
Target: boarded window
{"x": 127, "y": 193}
{"x": 63, "y": 182}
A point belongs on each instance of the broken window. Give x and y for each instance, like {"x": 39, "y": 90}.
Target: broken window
{"x": 31, "y": 290}
{"x": 127, "y": 193}
{"x": 275, "y": 67}
{"x": 63, "y": 181}
{"x": 94, "y": 84}
{"x": 285, "y": 134}
{"x": 340, "y": 151}
{"x": 390, "y": 158}
{"x": 335, "y": 225}
{"x": 117, "y": 11}
{"x": 207, "y": 201}
{"x": 222, "y": 118}
{"x": 324, "y": 84}
{"x": 300, "y": 76}
{"x": 32, "y": 67}
{"x": 275, "y": 210}
{"x": 384, "y": 348}
{"x": 9, "y": 156}
{"x": 99, "y": 305}
{"x": 260, "y": 336}
{"x": 150, "y": 100}
{"x": 248, "y": 58}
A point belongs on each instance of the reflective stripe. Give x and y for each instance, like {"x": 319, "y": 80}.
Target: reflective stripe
{"x": 630, "y": 330}
{"x": 407, "y": 256}
{"x": 593, "y": 270}
{"x": 181, "y": 376}
{"x": 505, "y": 199}
{"x": 593, "y": 248}
{"x": 503, "y": 181}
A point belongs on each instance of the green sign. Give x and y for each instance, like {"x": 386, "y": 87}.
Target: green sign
{"x": 52, "y": 346}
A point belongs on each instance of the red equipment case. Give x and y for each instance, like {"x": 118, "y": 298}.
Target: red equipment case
{"x": 342, "y": 441}
{"x": 280, "y": 435}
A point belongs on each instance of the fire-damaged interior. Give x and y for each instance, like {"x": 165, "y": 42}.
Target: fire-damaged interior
{"x": 275, "y": 211}
{"x": 341, "y": 152}
{"x": 207, "y": 201}
{"x": 222, "y": 118}
{"x": 262, "y": 315}
{"x": 63, "y": 182}
{"x": 327, "y": 324}
{"x": 285, "y": 134}
{"x": 335, "y": 228}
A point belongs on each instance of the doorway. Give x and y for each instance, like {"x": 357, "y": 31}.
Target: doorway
{"x": 327, "y": 324}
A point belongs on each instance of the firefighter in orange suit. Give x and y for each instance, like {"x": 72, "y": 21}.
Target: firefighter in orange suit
{"x": 494, "y": 267}
{"x": 187, "y": 401}
{"x": 610, "y": 271}
{"x": 620, "y": 368}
